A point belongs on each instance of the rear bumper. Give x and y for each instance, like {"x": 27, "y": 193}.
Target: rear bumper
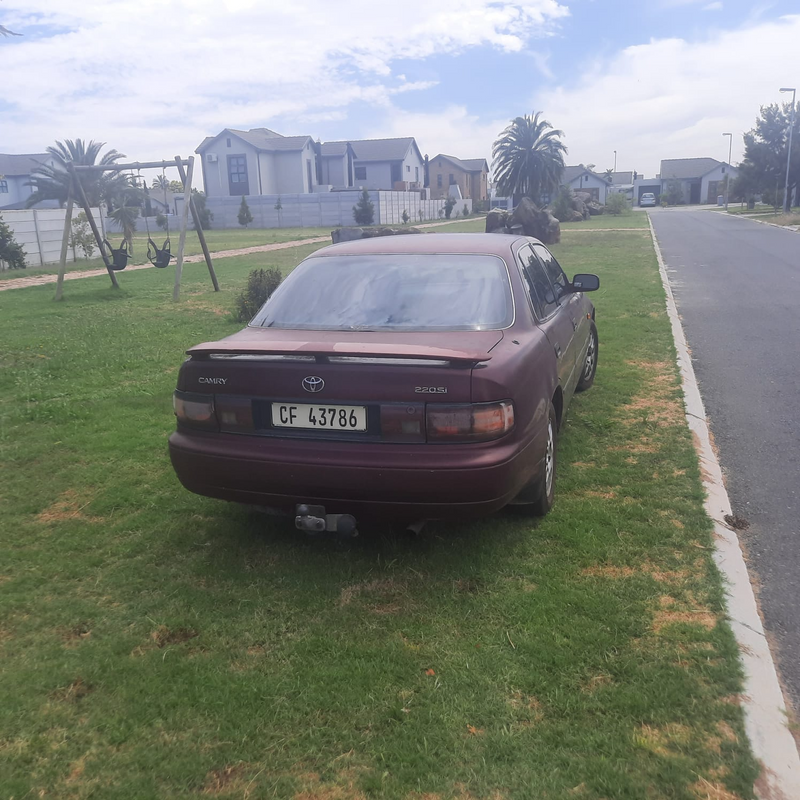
{"x": 405, "y": 481}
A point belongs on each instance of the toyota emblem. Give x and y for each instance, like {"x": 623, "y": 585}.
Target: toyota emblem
{"x": 313, "y": 384}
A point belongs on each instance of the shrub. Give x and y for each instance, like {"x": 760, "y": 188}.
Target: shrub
{"x": 161, "y": 221}
{"x": 405, "y": 217}
{"x": 203, "y": 212}
{"x": 244, "y": 216}
{"x": 261, "y": 283}
{"x": 10, "y": 251}
{"x": 617, "y": 204}
{"x": 465, "y": 211}
{"x": 562, "y": 205}
{"x": 364, "y": 210}
{"x": 674, "y": 195}
{"x": 81, "y": 235}
{"x": 448, "y": 206}
{"x": 421, "y": 215}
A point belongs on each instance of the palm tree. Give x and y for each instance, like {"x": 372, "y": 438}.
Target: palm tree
{"x": 52, "y": 182}
{"x": 160, "y": 182}
{"x": 609, "y": 174}
{"x": 125, "y": 216}
{"x": 528, "y": 158}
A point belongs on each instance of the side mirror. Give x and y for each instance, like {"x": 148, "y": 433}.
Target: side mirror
{"x": 585, "y": 283}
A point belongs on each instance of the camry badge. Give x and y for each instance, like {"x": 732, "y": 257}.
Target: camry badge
{"x": 313, "y": 384}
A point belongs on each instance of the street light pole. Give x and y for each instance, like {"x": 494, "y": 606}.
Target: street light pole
{"x": 615, "y": 161}
{"x": 786, "y": 199}
{"x": 728, "y": 179}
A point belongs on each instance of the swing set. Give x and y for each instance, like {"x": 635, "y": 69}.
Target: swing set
{"x": 116, "y": 258}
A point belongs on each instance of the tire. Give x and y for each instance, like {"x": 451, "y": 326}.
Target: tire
{"x": 542, "y": 491}
{"x": 589, "y": 363}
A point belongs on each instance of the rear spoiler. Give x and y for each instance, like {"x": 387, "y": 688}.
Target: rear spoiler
{"x": 370, "y": 350}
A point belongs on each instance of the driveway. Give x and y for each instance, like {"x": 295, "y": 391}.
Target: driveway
{"x": 737, "y": 287}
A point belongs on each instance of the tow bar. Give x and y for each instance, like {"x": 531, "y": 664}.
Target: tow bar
{"x": 314, "y": 520}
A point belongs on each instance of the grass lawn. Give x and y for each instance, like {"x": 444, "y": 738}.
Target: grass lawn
{"x": 759, "y": 209}
{"x": 156, "y": 644}
{"x": 781, "y": 219}
{"x": 633, "y": 219}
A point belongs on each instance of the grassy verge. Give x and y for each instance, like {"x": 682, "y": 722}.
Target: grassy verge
{"x": 781, "y": 219}
{"x": 759, "y": 209}
{"x": 157, "y": 644}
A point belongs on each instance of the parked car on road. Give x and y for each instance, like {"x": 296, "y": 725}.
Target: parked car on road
{"x": 647, "y": 199}
{"x": 407, "y": 377}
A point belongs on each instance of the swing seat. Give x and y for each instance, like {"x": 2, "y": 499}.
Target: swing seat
{"x": 159, "y": 256}
{"x": 119, "y": 255}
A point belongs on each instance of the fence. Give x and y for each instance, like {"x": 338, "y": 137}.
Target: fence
{"x": 323, "y": 209}
{"x": 39, "y": 231}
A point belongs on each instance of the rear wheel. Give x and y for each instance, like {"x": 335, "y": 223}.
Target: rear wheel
{"x": 589, "y": 366}
{"x": 538, "y": 497}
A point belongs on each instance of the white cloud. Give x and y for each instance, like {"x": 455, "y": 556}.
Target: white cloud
{"x": 673, "y": 99}
{"x": 715, "y": 6}
{"x": 153, "y": 77}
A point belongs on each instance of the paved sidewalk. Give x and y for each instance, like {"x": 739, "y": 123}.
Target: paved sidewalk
{"x": 39, "y": 280}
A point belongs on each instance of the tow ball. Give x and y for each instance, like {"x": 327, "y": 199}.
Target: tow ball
{"x": 314, "y": 520}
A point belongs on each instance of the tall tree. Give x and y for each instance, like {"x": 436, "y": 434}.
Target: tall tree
{"x": 52, "y": 182}
{"x": 766, "y": 147}
{"x": 528, "y": 158}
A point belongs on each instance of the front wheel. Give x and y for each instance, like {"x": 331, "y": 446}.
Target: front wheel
{"x": 589, "y": 366}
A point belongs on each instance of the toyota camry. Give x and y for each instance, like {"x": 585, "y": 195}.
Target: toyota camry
{"x": 406, "y": 377}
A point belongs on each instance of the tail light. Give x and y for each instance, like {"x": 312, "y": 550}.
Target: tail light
{"x": 469, "y": 422}
{"x": 196, "y": 410}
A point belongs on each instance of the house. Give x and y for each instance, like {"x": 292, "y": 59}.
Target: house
{"x": 471, "y": 175}
{"x": 336, "y": 164}
{"x": 701, "y": 180}
{"x": 389, "y": 164}
{"x": 15, "y": 176}
{"x": 257, "y": 162}
{"x": 625, "y": 178}
{"x": 581, "y": 179}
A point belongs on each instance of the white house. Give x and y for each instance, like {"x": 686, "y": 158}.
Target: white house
{"x": 15, "y": 175}
{"x": 700, "y": 179}
{"x": 257, "y": 162}
{"x": 581, "y": 179}
{"x": 385, "y": 163}
{"x": 336, "y": 164}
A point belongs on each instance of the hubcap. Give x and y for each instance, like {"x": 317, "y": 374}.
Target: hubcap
{"x": 548, "y": 460}
{"x": 590, "y": 356}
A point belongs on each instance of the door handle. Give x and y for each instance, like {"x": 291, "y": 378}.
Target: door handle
{"x": 558, "y": 351}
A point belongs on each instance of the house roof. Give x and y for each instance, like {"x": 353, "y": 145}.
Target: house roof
{"x": 262, "y": 139}
{"x": 467, "y": 164}
{"x": 685, "y": 168}
{"x": 622, "y": 178}
{"x": 379, "y": 149}
{"x": 570, "y": 173}
{"x": 22, "y": 164}
{"x": 333, "y": 149}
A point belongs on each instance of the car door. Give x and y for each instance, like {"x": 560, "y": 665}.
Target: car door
{"x": 549, "y": 314}
{"x": 571, "y": 304}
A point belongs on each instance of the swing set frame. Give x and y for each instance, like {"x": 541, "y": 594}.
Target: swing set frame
{"x": 77, "y": 194}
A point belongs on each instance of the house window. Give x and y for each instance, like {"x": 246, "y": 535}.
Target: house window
{"x": 723, "y": 170}
{"x": 3, "y": 187}
{"x": 228, "y": 142}
{"x": 416, "y": 174}
{"x": 408, "y": 168}
{"x": 452, "y": 179}
{"x": 439, "y": 180}
{"x": 361, "y": 173}
{"x": 238, "y": 182}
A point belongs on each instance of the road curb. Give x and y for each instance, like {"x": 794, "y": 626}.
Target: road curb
{"x": 763, "y": 702}
{"x": 790, "y": 228}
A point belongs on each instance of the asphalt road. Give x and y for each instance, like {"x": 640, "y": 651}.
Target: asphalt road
{"x": 737, "y": 288}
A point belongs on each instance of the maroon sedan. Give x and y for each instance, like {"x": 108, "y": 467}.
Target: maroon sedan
{"x": 404, "y": 377}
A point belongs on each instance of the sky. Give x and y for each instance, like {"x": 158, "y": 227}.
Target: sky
{"x": 649, "y": 79}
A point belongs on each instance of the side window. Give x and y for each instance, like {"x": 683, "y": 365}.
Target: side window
{"x": 539, "y": 289}
{"x": 553, "y": 270}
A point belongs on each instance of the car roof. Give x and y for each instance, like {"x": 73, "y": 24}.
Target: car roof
{"x": 498, "y": 244}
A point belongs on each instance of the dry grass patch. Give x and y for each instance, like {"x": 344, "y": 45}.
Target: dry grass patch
{"x": 645, "y": 568}
{"x": 668, "y": 614}
{"x": 74, "y": 692}
{"x": 227, "y": 780}
{"x": 162, "y": 636}
{"x": 67, "y": 507}
{"x": 706, "y": 790}
{"x": 388, "y": 588}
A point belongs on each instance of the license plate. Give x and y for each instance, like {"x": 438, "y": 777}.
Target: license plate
{"x": 327, "y": 418}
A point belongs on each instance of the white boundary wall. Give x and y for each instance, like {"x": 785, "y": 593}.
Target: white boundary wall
{"x": 323, "y": 209}
{"x": 39, "y": 231}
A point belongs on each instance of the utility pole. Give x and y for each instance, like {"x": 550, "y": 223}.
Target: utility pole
{"x": 786, "y": 199}
{"x": 728, "y": 179}
{"x": 615, "y": 161}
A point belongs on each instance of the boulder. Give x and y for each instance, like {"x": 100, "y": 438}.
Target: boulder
{"x": 527, "y": 220}
{"x": 595, "y": 208}
{"x": 575, "y": 216}
{"x": 351, "y": 234}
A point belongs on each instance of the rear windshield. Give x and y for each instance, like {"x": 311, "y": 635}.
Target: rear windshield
{"x": 405, "y": 292}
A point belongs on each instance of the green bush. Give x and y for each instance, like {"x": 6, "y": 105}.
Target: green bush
{"x": 161, "y": 221}
{"x": 203, "y": 212}
{"x": 562, "y": 205}
{"x": 10, "y": 252}
{"x": 364, "y": 210}
{"x": 465, "y": 212}
{"x": 405, "y": 217}
{"x": 448, "y": 206}
{"x": 244, "y": 216}
{"x": 261, "y": 283}
{"x": 617, "y": 204}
